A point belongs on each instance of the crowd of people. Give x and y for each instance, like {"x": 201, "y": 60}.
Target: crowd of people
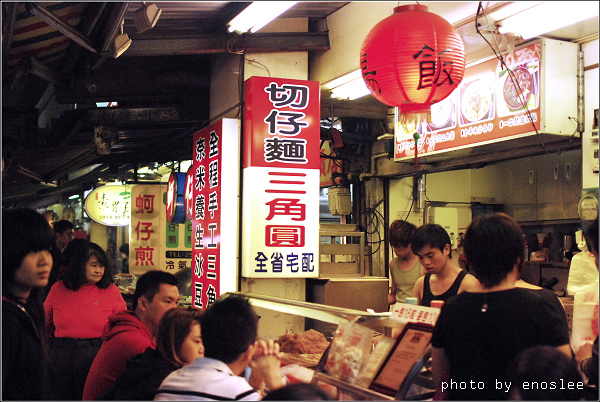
{"x": 75, "y": 339}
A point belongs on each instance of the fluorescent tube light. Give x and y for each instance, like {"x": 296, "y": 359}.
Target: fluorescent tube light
{"x": 350, "y": 86}
{"x": 548, "y": 16}
{"x": 257, "y": 15}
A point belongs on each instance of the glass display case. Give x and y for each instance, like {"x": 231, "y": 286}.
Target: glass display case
{"x": 281, "y": 317}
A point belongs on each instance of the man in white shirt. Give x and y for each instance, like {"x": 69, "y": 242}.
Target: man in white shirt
{"x": 229, "y": 332}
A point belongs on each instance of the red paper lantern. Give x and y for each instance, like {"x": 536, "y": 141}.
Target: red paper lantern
{"x": 412, "y": 59}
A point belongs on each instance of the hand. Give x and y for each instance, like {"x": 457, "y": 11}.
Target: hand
{"x": 265, "y": 365}
{"x": 268, "y": 348}
{"x": 584, "y": 352}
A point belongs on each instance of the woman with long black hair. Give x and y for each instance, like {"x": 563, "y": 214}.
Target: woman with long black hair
{"x": 77, "y": 309}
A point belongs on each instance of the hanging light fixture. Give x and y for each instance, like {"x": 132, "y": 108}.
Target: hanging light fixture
{"x": 411, "y": 60}
{"x": 121, "y": 43}
{"x": 146, "y": 17}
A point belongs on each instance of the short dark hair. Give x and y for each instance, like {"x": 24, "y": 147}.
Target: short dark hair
{"x": 493, "y": 244}
{"x": 124, "y": 248}
{"x": 544, "y": 364}
{"x": 229, "y": 327}
{"x": 174, "y": 327}
{"x": 62, "y": 225}
{"x": 77, "y": 254}
{"x": 148, "y": 285}
{"x": 400, "y": 233}
{"x": 432, "y": 235}
{"x": 591, "y": 236}
{"x": 23, "y": 231}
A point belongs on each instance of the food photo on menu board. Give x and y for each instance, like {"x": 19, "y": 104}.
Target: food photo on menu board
{"x": 443, "y": 114}
{"x": 518, "y": 87}
{"x": 477, "y": 100}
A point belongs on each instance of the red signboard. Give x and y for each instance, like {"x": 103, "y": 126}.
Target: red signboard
{"x": 207, "y": 214}
{"x": 281, "y": 178}
{"x": 486, "y": 107}
{"x": 282, "y": 123}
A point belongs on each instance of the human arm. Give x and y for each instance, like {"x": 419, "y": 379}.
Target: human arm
{"x": 439, "y": 366}
{"x": 49, "y": 318}
{"x": 469, "y": 283}
{"x": 587, "y": 357}
{"x": 566, "y": 349}
{"x": 118, "y": 303}
{"x": 393, "y": 289}
{"x": 418, "y": 289}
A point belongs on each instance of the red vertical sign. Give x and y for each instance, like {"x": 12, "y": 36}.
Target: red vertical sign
{"x": 206, "y": 215}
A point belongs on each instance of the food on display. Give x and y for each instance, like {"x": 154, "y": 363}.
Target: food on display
{"x": 129, "y": 290}
{"x": 517, "y": 87}
{"x": 310, "y": 341}
{"x": 349, "y": 351}
{"x": 302, "y": 348}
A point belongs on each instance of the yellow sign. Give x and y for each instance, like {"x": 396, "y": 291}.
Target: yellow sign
{"x": 109, "y": 205}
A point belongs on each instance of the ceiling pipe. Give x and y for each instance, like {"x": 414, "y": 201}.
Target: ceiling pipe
{"x": 374, "y": 158}
{"x": 55, "y": 22}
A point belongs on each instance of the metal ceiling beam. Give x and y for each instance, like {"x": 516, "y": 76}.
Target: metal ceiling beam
{"x": 124, "y": 115}
{"x": 116, "y": 19}
{"x": 55, "y": 22}
{"x": 74, "y": 131}
{"x": 7, "y": 31}
{"x": 82, "y": 160}
{"x": 88, "y": 24}
{"x": 44, "y": 72}
{"x": 213, "y": 44}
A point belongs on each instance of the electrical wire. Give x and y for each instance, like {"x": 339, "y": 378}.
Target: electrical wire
{"x": 260, "y": 64}
{"x": 516, "y": 85}
{"x": 375, "y": 220}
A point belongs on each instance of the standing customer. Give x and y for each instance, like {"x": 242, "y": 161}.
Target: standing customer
{"x": 77, "y": 309}
{"x": 479, "y": 332}
{"x": 229, "y": 333}
{"x": 405, "y": 268}
{"x": 443, "y": 278}
{"x": 63, "y": 235}
{"x": 129, "y": 333}
{"x": 178, "y": 343}
{"x": 26, "y": 264}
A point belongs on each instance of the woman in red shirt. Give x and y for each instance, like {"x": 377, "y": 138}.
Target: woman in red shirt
{"x": 77, "y": 309}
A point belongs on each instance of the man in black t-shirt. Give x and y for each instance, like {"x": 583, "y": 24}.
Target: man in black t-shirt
{"x": 479, "y": 332}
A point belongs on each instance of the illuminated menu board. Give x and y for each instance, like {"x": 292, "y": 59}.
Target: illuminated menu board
{"x": 492, "y": 103}
{"x": 280, "y": 204}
